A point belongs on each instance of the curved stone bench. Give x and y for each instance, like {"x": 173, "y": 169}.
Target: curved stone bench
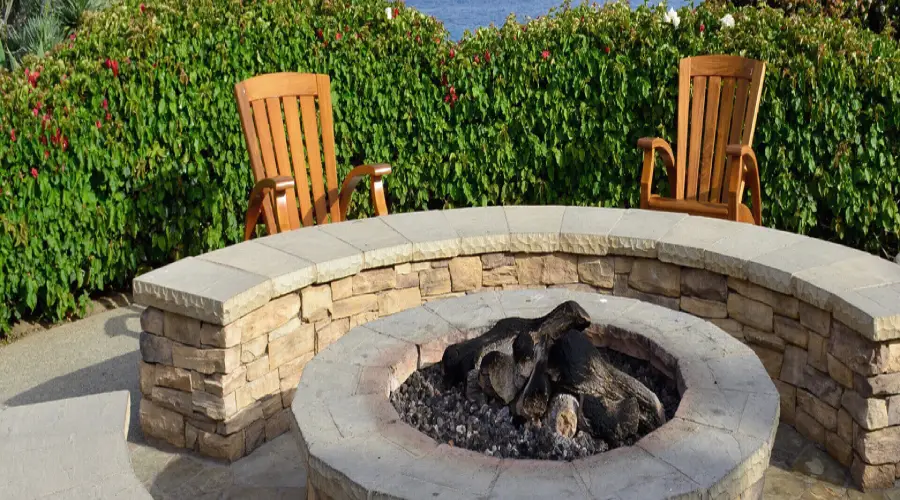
{"x": 71, "y": 448}
{"x": 717, "y": 445}
{"x": 227, "y": 334}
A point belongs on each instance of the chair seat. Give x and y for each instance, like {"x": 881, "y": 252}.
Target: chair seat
{"x": 703, "y": 208}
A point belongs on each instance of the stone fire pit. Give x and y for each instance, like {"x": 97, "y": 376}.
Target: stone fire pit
{"x": 717, "y": 445}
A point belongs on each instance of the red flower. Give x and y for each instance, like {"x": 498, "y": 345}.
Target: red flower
{"x": 108, "y": 117}
{"x": 72, "y": 37}
{"x": 143, "y": 8}
{"x": 65, "y": 143}
{"x": 545, "y": 54}
{"x": 447, "y": 98}
{"x": 396, "y": 12}
{"x": 115, "y": 68}
{"x": 35, "y": 112}
{"x": 477, "y": 59}
{"x": 44, "y": 140}
{"x": 319, "y": 34}
{"x": 46, "y": 155}
{"x": 104, "y": 104}
{"x": 32, "y": 77}
{"x": 702, "y": 27}
{"x": 338, "y": 35}
{"x": 487, "y": 56}
{"x": 12, "y": 135}
{"x": 606, "y": 49}
{"x": 452, "y": 53}
{"x": 418, "y": 39}
{"x": 99, "y": 125}
{"x": 34, "y": 172}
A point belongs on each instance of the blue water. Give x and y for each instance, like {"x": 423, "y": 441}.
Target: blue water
{"x": 461, "y": 15}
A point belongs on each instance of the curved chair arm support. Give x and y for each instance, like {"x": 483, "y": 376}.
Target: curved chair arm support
{"x": 279, "y": 187}
{"x": 376, "y": 172}
{"x": 651, "y": 145}
{"x": 744, "y": 170}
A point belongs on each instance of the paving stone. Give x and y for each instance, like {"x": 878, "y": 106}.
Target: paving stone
{"x": 333, "y": 257}
{"x": 638, "y": 231}
{"x": 456, "y": 468}
{"x": 481, "y": 230}
{"x": 874, "y": 312}
{"x": 870, "y": 413}
{"x": 631, "y": 472}
{"x": 203, "y": 290}
{"x": 713, "y": 408}
{"x": 534, "y": 228}
{"x": 317, "y": 302}
{"x": 469, "y": 312}
{"x": 729, "y": 255}
{"x": 686, "y": 244}
{"x": 465, "y": 273}
{"x": 206, "y": 360}
{"x": 814, "y": 462}
{"x": 155, "y": 349}
{"x": 774, "y": 269}
{"x": 380, "y": 243}
{"x": 538, "y": 479}
{"x": 287, "y": 272}
{"x": 393, "y": 301}
{"x": 750, "y": 312}
{"x": 784, "y": 484}
{"x": 430, "y": 233}
{"x": 585, "y": 230}
{"x": 818, "y": 285}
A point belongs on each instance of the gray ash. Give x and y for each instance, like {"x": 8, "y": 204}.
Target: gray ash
{"x": 447, "y": 416}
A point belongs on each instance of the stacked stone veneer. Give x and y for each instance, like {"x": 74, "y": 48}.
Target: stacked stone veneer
{"x": 220, "y": 367}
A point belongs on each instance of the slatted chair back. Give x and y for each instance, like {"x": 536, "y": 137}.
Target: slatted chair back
{"x": 718, "y": 101}
{"x": 289, "y": 131}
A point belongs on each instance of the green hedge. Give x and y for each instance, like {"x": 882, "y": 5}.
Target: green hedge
{"x": 128, "y": 152}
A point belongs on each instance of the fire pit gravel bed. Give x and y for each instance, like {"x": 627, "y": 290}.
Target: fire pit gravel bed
{"x": 717, "y": 445}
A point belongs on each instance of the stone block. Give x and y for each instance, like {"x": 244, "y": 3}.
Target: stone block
{"x": 869, "y": 413}
{"x": 815, "y": 319}
{"x": 817, "y": 349}
{"x": 839, "y": 371}
{"x": 258, "y": 368}
{"x": 596, "y": 271}
{"x": 534, "y": 228}
{"x": 173, "y": 378}
{"x": 146, "y": 377}
{"x": 254, "y": 436}
{"x": 703, "y": 308}
{"x": 176, "y": 400}
{"x": 822, "y": 386}
{"x": 317, "y": 303}
{"x": 788, "y": 396}
{"x": 270, "y": 405}
{"x": 794, "y": 365}
{"x": 287, "y": 272}
{"x": 155, "y": 349}
{"x": 252, "y": 350}
{"x": 817, "y": 409}
{"x": 638, "y": 232}
{"x": 240, "y": 420}
{"x": 410, "y": 280}
{"x": 703, "y": 284}
{"x": 623, "y": 265}
{"x": 873, "y": 311}
{"x": 465, "y": 273}
{"x": 256, "y": 390}
{"x": 750, "y": 312}
{"x": 845, "y": 425}
{"x": 162, "y": 423}
{"x": 290, "y": 372}
{"x": 182, "y": 329}
{"x": 291, "y": 346}
{"x": 269, "y": 317}
{"x": 764, "y": 339}
{"x": 394, "y": 301}
{"x": 481, "y": 230}
{"x": 839, "y": 449}
{"x": 206, "y": 360}
{"x": 494, "y": 260}
{"x": 870, "y": 477}
{"x": 893, "y": 404}
{"x": 859, "y": 354}
{"x": 343, "y": 288}
{"x": 878, "y": 447}
{"x": 329, "y": 331}
{"x": 380, "y": 243}
{"x": 357, "y": 304}
{"x": 431, "y": 234}
{"x": 278, "y": 424}
{"x": 879, "y": 385}
{"x": 220, "y": 336}
{"x": 191, "y": 433}
{"x": 585, "y": 230}
{"x": 560, "y": 269}
{"x": 790, "y": 330}
{"x": 363, "y": 318}
{"x": 214, "y": 407}
{"x": 500, "y": 276}
{"x": 732, "y": 327}
{"x": 529, "y": 268}
{"x": 375, "y": 280}
{"x": 152, "y": 321}
{"x": 660, "y": 300}
{"x": 435, "y": 282}
{"x": 771, "y": 360}
{"x": 652, "y": 276}
{"x": 228, "y": 448}
{"x": 809, "y": 427}
{"x": 220, "y": 384}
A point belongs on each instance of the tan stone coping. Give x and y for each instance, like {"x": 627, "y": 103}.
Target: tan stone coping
{"x": 862, "y": 290}
{"x": 717, "y": 446}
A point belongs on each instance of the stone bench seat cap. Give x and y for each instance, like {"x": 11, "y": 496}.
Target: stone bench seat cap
{"x": 718, "y": 442}
{"x": 862, "y": 290}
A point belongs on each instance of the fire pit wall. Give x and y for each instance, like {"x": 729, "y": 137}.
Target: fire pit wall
{"x": 226, "y": 335}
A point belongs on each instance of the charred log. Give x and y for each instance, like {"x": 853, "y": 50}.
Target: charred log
{"x": 562, "y": 415}
{"x": 498, "y": 376}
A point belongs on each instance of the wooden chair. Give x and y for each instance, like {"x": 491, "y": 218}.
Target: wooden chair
{"x": 709, "y": 174}
{"x": 280, "y": 153}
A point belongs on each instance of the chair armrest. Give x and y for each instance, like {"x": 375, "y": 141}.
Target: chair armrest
{"x": 375, "y": 172}
{"x": 651, "y": 145}
{"x": 744, "y": 170}
{"x": 279, "y": 186}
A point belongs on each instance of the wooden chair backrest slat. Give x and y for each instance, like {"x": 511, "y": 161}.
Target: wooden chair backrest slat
{"x": 287, "y": 135}
{"x": 718, "y": 100}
